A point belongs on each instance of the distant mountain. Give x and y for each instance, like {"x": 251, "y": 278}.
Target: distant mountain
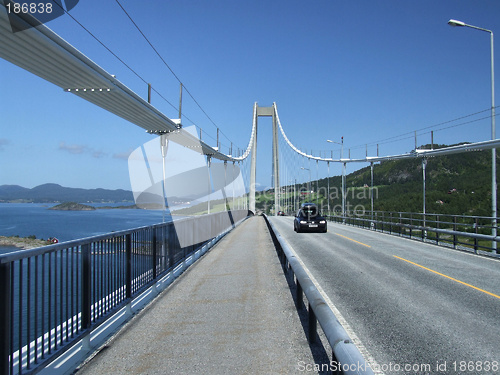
{"x": 50, "y": 193}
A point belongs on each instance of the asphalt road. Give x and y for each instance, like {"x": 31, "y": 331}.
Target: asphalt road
{"x": 417, "y": 308}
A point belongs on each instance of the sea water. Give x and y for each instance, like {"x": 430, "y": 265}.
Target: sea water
{"x": 26, "y": 219}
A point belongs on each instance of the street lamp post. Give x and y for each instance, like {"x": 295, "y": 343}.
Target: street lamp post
{"x": 309, "y": 183}
{"x": 328, "y": 190}
{"x": 295, "y": 196}
{"x": 493, "y": 132}
{"x": 343, "y": 172}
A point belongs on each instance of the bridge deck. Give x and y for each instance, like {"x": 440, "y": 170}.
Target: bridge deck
{"x": 231, "y": 313}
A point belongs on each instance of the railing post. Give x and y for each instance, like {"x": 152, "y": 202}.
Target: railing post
{"x": 411, "y": 224}
{"x": 86, "y": 287}
{"x": 5, "y": 318}
{"x": 171, "y": 245}
{"x": 422, "y": 224}
{"x": 128, "y": 270}
{"x": 437, "y": 227}
{"x": 454, "y": 229}
{"x": 475, "y": 238}
{"x": 154, "y": 253}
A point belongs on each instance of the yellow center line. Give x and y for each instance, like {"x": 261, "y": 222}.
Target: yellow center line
{"x": 350, "y": 239}
{"x": 451, "y": 278}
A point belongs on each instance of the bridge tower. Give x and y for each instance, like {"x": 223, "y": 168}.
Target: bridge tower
{"x": 265, "y": 112}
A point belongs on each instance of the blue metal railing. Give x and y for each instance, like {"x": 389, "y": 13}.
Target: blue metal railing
{"x": 467, "y": 232}
{"x": 53, "y": 296}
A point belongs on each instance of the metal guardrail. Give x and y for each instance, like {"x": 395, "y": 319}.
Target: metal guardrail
{"x": 428, "y": 227}
{"x": 54, "y": 296}
{"x": 344, "y": 351}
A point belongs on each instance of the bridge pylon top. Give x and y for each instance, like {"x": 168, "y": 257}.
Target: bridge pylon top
{"x": 265, "y": 111}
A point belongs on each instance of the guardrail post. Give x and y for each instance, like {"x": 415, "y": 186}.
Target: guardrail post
{"x": 312, "y": 325}
{"x": 5, "y": 318}
{"x": 299, "y": 296}
{"x": 128, "y": 269}
{"x": 335, "y": 360}
{"x": 86, "y": 287}
{"x": 282, "y": 256}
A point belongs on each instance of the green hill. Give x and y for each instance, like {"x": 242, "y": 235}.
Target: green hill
{"x": 455, "y": 184}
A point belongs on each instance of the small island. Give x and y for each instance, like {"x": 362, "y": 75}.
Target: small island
{"x": 72, "y": 206}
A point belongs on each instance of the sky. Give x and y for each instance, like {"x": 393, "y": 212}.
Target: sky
{"x": 368, "y": 71}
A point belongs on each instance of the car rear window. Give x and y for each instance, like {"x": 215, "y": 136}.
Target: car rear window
{"x": 309, "y": 211}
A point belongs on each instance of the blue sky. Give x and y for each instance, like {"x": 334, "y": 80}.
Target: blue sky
{"x": 362, "y": 69}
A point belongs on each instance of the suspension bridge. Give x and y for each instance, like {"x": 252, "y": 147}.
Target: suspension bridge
{"x": 385, "y": 304}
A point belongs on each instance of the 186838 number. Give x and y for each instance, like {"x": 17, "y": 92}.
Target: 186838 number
{"x": 32, "y": 8}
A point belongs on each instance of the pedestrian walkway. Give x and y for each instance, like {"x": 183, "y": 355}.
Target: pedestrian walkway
{"x": 231, "y": 313}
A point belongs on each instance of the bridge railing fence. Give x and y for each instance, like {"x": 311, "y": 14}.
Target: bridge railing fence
{"x": 53, "y": 296}
{"x": 471, "y": 233}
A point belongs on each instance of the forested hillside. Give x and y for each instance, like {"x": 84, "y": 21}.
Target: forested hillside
{"x": 455, "y": 184}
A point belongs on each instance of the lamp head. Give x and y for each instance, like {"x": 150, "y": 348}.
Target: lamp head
{"x": 456, "y": 23}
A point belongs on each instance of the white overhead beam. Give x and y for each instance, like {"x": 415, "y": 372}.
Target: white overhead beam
{"x": 44, "y": 53}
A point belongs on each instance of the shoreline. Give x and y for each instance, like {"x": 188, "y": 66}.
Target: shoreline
{"x": 23, "y": 243}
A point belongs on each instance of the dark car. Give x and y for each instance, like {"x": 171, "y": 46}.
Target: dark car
{"x": 309, "y": 219}
{"x": 281, "y": 213}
